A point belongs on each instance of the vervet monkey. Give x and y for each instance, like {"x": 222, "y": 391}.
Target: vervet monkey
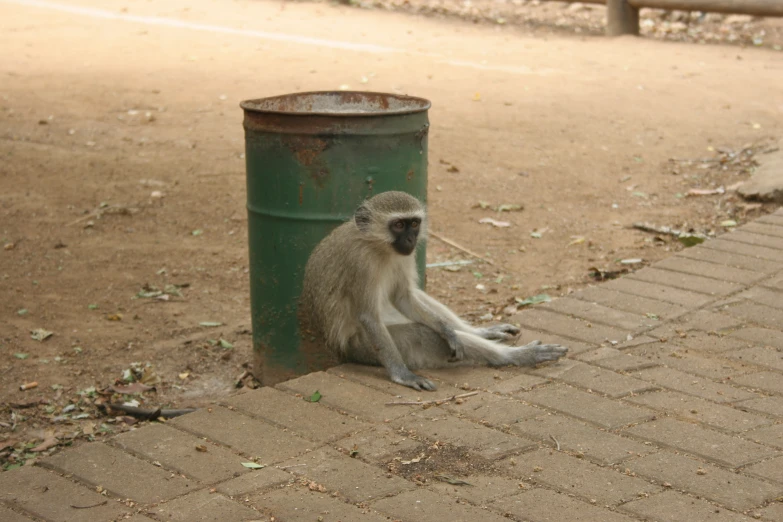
{"x": 361, "y": 298}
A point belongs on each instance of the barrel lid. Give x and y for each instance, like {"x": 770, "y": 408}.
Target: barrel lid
{"x": 337, "y": 103}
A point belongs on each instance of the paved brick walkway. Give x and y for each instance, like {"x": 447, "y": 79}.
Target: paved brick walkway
{"x": 669, "y": 408}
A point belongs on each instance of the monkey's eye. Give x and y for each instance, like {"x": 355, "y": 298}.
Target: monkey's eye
{"x": 414, "y": 224}
{"x": 399, "y": 225}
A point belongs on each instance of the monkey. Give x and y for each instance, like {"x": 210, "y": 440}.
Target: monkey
{"x": 361, "y": 298}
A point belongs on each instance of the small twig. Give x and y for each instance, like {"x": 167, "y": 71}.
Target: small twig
{"x": 556, "y": 442}
{"x": 438, "y": 401}
{"x": 291, "y": 466}
{"x": 91, "y": 506}
{"x": 460, "y": 247}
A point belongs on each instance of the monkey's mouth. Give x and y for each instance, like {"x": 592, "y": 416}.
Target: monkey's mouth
{"x": 404, "y": 250}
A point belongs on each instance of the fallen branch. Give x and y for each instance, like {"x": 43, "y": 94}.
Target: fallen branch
{"x": 556, "y": 442}
{"x": 149, "y": 414}
{"x": 436, "y": 402}
{"x": 668, "y": 231}
{"x": 460, "y": 247}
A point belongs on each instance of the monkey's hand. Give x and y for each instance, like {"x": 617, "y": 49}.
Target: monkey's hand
{"x": 411, "y": 380}
{"x": 457, "y": 350}
{"x": 498, "y": 332}
{"x": 535, "y": 353}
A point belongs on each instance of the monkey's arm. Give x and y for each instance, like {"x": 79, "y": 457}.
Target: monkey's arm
{"x": 376, "y": 337}
{"x": 497, "y": 332}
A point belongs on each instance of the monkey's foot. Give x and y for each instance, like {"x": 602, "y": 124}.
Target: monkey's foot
{"x": 414, "y": 381}
{"x": 498, "y": 332}
{"x": 536, "y": 353}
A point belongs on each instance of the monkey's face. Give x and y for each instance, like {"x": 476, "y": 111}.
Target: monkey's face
{"x": 404, "y": 233}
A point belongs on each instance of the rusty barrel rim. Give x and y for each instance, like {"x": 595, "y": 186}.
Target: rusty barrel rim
{"x": 317, "y": 103}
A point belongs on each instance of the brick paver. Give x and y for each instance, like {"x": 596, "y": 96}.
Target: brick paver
{"x": 8, "y": 515}
{"x": 183, "y": 452}
{"x": 246, "y": 435}
{"x": 771, "y": 469}
{"x": 762, "y": 336}
{"x": 659, "y": 292}
{"x": 597, "y": 313}
{"x": 712, "y": 445}
{"x": 311, "y": 420}
{"x": 482, "y": 488}
{"x": 204, "y": 505}
{"x": 694, "y": 283}
{"x": 732, "y": 259}
{"x": 587, "y": 480}
{"x": 589, "y": 377}
{"x": 422, "y": 504}
{"x": 352, "y": 478}
{"x": 122, "y": 474}
{"x": 768, "y": 381}
{"x": 709, "y": 481}
{"x": 616, "y": 360}
{"x": 693, "y": 385}
{"x": 734, "y": 247}
{"x": 673, "y": 506}
{"x": 300, "y": 503}
{"x": 542, "y": 505}
{"x": 711, "y": 269}
{"x": 49, "y": 496}
{"x": 765, "y": 240}
{"x": 484, "y": 441}
{"x": 494, "y": 410}
{"x": 769, "y": 435}
{"x": 600, "y": 446}
{"x": 720, "y": 416}
{"x": 569, "y": 327}
{"x": 679, "y": 356}
{"x": 257, "y": 480}
{"x": 630, "y": 302}
{"x": 607, "y": 413}
{"x": 669, "y": 407}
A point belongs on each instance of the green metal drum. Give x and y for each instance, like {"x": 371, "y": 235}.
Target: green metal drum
{"x": 311, "y": 160}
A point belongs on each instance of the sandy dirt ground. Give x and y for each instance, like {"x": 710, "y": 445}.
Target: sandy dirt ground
{"x": 122, "y": 174}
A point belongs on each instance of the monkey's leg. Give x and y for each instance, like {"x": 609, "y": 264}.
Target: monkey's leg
{"x": 420, "y": 346}
{"x": 375, "y": 345}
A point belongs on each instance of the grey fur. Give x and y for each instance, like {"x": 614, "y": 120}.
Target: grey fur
{"x": 361, "y": 299}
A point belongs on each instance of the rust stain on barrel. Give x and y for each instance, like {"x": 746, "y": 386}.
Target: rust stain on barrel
{"x": 306, "y": 149}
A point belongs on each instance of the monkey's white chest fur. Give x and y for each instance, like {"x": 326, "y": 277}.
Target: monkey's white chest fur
{"x": 398, "y": 270}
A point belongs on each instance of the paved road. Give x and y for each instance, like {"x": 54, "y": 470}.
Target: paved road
{"x": 669, "y": 408}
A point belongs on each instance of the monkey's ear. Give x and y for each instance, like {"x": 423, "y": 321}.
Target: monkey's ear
{"x": 362, "y": 218}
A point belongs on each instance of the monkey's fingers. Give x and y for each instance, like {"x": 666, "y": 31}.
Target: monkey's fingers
{"x": 414, "y": 381}
{"x": 499, "y": 332}
{"x": 549, "y": 352}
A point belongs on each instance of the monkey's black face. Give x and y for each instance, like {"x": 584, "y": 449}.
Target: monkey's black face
{"x": 405, "y": 232}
